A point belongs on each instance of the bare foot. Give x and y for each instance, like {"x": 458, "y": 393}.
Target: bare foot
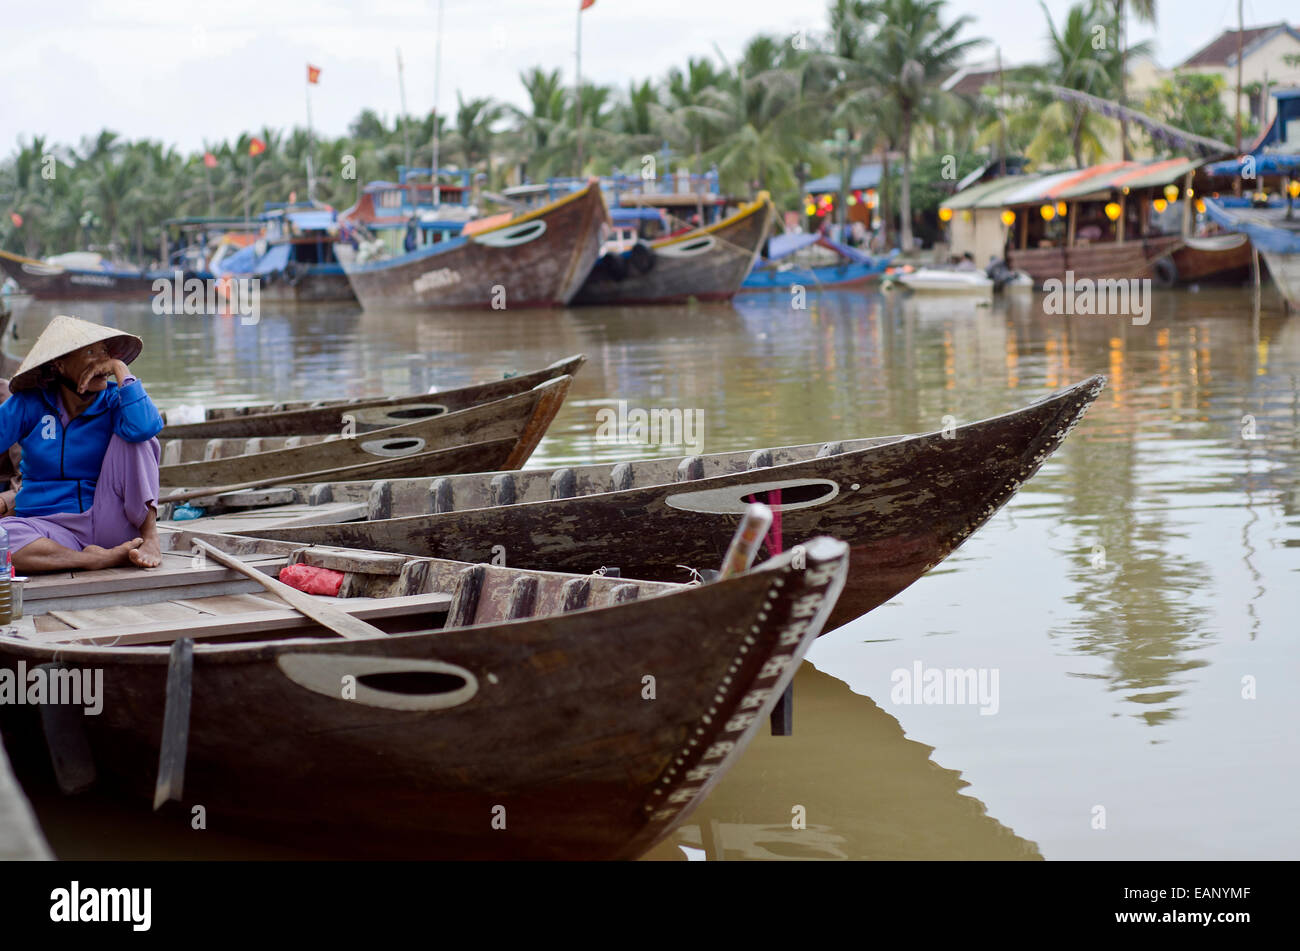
{"x": 148, "y": 555}
{"x": 112, "y": 557}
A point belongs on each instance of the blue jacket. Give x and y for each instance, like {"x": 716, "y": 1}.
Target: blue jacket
{"x": 61, "y": 464}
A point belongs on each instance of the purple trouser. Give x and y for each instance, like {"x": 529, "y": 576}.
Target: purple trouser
{"x": 126, "y": 490}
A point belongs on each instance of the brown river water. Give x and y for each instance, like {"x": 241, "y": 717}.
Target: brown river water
{"x": 1137, "y": 601}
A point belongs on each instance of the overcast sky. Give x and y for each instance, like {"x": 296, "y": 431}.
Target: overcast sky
{"x": 184, "y": 72}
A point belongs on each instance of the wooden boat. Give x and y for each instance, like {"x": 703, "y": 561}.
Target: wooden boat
{"x": 496, "y": 713}
{"x": 537, "y": 259}
{"x": 294, "y": 261}
{"x": 780, "y": 270}
{"x": 903, "y": 504}
{"x": 706, "y": 263}
{"x": 932, "y": 280}
{"x": 53, "y": 281}
{"x": 507, "y": 430}
{"x": 305, "y": 418}
{"x": 1132, "y": 259}
{"x": 1220, "y": 257}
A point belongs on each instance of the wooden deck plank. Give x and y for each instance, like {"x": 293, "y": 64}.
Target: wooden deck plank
{"x": 224, "y": 605}
{"x": 253, "y": 622}
{"x": 280, "y": 516}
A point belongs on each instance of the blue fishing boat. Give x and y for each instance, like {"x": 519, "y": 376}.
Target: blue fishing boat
{"x": 1273, "y": 225}
{"x": 780, "y": 269}
{"x": 293, "y": 259}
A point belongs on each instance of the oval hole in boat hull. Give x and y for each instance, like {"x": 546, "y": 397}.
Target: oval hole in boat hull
{"x": 512, "y": 236}
{"x": 732, "y": 499}
{"x": 392, "y": 447}
{"x": 416, "y": 411}
{"x": 686, "y": 249}
{"x": 394, "y": 683}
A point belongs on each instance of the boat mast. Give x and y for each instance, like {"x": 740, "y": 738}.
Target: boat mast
{"x": 437, "y": 77}
{"x": 1240, "y": 30}
{"x": 311, "y": 171}
{"x": 577, "y": 92}
{"x": 401, "y": 89}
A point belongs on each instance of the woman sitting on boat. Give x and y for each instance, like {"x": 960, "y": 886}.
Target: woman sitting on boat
{"x": 90, "y": 457}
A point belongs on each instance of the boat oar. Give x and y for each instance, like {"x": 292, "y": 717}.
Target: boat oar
{"x": 345, "y": 625}
{"x": 744, "y": 544}
{"x": 754, "y": 525}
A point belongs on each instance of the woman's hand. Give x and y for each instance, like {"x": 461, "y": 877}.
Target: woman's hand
{"x": 7, "y": 503}
{"x": 100, "y": 368}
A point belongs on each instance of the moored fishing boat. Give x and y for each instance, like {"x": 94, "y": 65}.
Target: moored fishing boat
{"x": 492, "y": 712}
{"x": 1275, "y": 236}
{"x": 508, "y": 429}
{"x": 902, "y": 503}
{"x": 81, "y": 276}
{"x": 536, "y": 259}
{"x": 933, "y": 280}
{"x": 788, "y": 263}
{"x": 707, "y": 263}
{"x": 303, "y": 418}
{"x": 293, "y": 259}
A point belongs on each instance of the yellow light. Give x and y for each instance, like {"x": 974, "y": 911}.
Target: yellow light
{"x": 1160, "y": 205}
{"x": 1008, "y": 217}
{"x": 1062, "y": 208}
{"x": 1048, "y": 212}
{"x": 1293, "y": 188}
{"x": 945, "y": 214}
{"x": 1125, "y": 189}
{"x": 810, "y": 209}
{"x": 1200, "y": 205}
{"x": 1189, "y": 191}
{"x": 1112, "y": 210}
{"x": 1171, "y": 192}
{"x": 965, "y": 215}
{"x": 852, "y": 201}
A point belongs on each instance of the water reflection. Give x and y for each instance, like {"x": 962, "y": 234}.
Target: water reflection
{"x": 859, "y": 786}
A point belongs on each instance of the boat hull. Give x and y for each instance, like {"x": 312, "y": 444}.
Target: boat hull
{"x": 849, "y": 274}
{"x": 523, "y": 418}
{"x": 706, "y": 264}
{"x": 1284, "y": 268}
{"x": 1097, "y": 262}
{"x": 902, "y": 505}
{"x": 52, "y": 282}
{"x": 1229, "y": 263}
{"x": 548, "y": 747}
{"x": 534, "y": 260}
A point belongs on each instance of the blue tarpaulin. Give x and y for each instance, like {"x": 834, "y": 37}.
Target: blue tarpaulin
{"x": 247, "y": 261}
{"x": 312, "y": 220}
{"x": 783, "y": 245}
{"x": 1266, "y": 237}
{"x": 864, "y": 176}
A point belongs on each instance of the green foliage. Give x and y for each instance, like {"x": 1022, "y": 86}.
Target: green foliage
{"x": 934, "y": 177}
{"x": 1192, "y": 102}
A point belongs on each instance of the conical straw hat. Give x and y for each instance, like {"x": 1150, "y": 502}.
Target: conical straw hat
{"x": 65, "y": 335}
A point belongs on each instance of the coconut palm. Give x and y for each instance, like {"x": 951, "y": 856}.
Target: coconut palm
{"x": 910, "y": 54}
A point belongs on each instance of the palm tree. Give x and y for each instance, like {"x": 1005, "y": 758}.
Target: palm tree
{"x": 1145, "y": 11}
{"x": 910, "y": 54}
{"x": 472, "y": 137}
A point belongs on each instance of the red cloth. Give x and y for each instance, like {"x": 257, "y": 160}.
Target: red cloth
{"x": 312, "y": 580}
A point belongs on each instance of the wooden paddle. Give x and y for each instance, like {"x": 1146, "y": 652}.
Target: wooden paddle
{"x": 345, "y": 625}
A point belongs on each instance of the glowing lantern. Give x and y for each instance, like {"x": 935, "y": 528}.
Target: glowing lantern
{"x": 1293, "y": 188}
{"x": 1062, "y": 208}
{"x": 810, "y": 209}
{"x": 1125, "y": 189}
{"x": 1048, "y": 212}
{"x": 1160, "y": 205}
{"x": 853, "y": 200}
{"x": 945, "y": 214}
{"x": 858, "y": 194}
{"x": 1189, "y": 191}
{"x": 1171, "y": 192}
{"x": 1200, "y": 205}
{"x": 871, "y": 198}
{"x": 1112, "y": 210}
{"x": 1008, "y": 217}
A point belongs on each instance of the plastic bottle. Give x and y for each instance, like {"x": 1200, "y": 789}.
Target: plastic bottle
{"x": 6, "y": 572}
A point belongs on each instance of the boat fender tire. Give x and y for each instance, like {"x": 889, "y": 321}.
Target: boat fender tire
{"x": 642, "y": 258}
{"x": 1164, "y": 273}
{"x": 615, "y": 265}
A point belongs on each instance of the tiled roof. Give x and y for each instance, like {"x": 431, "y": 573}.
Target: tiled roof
{"x": 1223, "y": 49}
